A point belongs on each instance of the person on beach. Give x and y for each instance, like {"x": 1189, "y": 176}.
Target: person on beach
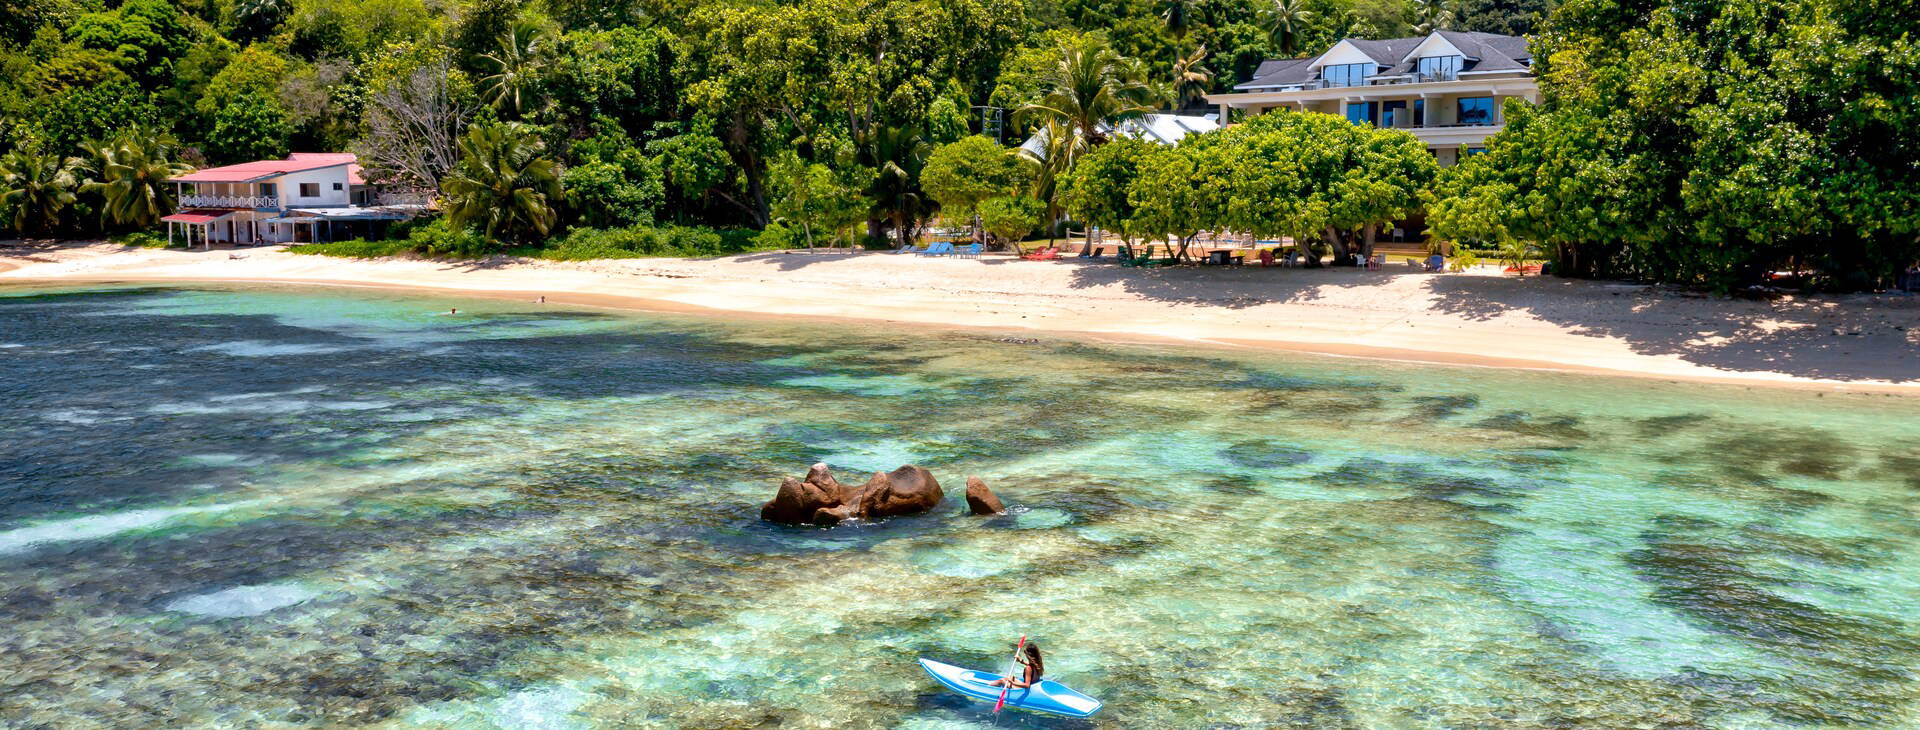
{"x": 1035, "y": 667}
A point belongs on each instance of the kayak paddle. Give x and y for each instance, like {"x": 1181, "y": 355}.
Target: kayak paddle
{"x": 1011, "y": 663}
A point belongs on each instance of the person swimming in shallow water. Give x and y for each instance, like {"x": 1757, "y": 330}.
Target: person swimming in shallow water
{"x": 1035, "y": 668}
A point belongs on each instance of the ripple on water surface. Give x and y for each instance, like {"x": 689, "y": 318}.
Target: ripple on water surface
{"x": 354, "y": 509}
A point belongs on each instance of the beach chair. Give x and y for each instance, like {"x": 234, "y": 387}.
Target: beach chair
{"x": 1436, "y": 262}
{"x": 1043, "y": 254}
{"x": 1379, "y": 260}
{"x": 938, "y": 248}
{"x": 970, "y": 251}
{"x": 1266, "y": 258}
{"x": 909, "y": 248}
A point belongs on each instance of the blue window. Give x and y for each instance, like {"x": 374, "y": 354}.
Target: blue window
{"x": 1362, "y": 112}
{"x": 1476, "y": 110}
{"x": 1439, "y": 68}
{"x": 1393, "y": 114}
{"x": 1350, "y": 74}
{"x": 1471, "y": 151}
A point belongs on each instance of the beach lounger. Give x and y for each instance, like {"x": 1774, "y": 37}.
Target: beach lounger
{"x": 909, "y": 248}
{"x": 1044, "y": 254}
{"x": 941, "y": 248}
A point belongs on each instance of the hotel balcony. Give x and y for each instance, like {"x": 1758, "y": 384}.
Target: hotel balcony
{"x": 235, "y": 202}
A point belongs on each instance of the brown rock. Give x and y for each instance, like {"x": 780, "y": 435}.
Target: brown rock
{"x": 822, "y": 500}
{"x": 980, "y": 499}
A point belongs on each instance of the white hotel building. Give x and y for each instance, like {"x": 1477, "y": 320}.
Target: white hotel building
{"x": 1446, "y": 88}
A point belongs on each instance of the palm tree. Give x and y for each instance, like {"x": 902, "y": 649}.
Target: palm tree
{"x": 517, "y": 65}
{"x": 37, "y": 186}
{"x": 1179, "y": 17}
{"x": 131, "y": 172}
{"x": 1190, "y": 77}
{"x": 502, "y": 184}
{"x": 1433, "y": 15}
{"x": 898, "y": 154}
{"x": 1061, "y": 149}
{"x": 1092, "y": 88}
{"x": 1284, "y": 18}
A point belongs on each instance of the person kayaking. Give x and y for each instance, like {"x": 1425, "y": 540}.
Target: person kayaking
{"x": 1035, "y": 667}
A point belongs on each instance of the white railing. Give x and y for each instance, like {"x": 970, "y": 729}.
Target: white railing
{"x": 229, "y": 201}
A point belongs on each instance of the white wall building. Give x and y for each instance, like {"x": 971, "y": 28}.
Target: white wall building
{"x": 308, "y": 197}
{"x": 1445, "y": 88}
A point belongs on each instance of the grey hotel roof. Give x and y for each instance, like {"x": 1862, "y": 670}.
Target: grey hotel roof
{"x": 1484, "y": 52}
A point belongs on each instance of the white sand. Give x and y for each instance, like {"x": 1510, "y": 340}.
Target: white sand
{"x": 1855, "y": 342}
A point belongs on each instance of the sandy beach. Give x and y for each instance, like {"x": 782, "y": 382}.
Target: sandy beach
{"x": 1848, "y": 342}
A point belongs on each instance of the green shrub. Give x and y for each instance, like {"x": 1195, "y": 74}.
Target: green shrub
{"x": 142, "y": 239}
{"x": 638, "y": 241}
{"x": 355, "y": 249}
{"x": 437, "y": 238}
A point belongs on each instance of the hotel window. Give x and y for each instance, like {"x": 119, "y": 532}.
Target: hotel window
{"x": 268, "y": 190}
{"x": 336, "y": 186}
{"x": 1419, "y": 112}
{"x": 1439, "y": 68}
{"x": 1476, "y": 110}
{"x": 1362, "y": 112}
{"x": 1393, "y": 114}
{"x": 309, "y": 190}
{"x": 1471, "y": 151}
{"x": 1350, "y": 74}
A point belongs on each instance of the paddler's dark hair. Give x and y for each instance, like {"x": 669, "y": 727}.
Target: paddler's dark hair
{"x": 1033, "y": 654}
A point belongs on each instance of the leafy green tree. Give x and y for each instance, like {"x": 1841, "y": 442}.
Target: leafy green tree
{"x": 1011, "y": 217}
{"x": 696, "y": 166}
{"x": 1161, "y": 195}
{"x": 1098, "y": 189}
{"x": 1091, "y": 87}
{"x": 1506, "y": 17}
{"x": 131, "y": 171}
{"x": 65, "y": 118}
{"x": 963, "y": 174}
{"x": 255, "y": 19}
{"x": 615, "y": 185}
{"x": 812, "y": 196}
{"x": 249, "y": 128}
{"x": 502, "y": 185}
{"x": 144, "y": 38}
{"x": 36, "y": 186}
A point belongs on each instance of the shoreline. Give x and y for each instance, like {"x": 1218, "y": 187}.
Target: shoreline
{"x": 1374, "y": 318}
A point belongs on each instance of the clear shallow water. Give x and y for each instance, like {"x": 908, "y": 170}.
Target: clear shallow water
{"x": 245, "y": 507}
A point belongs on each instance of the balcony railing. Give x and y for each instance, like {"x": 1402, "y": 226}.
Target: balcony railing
{"x": 229, "y": 201}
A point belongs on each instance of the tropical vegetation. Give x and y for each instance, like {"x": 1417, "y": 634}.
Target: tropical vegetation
{"x": 1702, "y": 143}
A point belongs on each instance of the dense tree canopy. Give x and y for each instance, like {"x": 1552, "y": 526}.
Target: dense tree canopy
{"x": 1703, "y": 143}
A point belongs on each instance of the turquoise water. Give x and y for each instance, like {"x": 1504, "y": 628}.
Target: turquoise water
{"x": 315, "y": 508}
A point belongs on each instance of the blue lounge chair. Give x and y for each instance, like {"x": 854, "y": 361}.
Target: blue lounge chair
{"x": 909, "y": 248}
{"x": 971, "y": 251}
{"x": 940, "y": 248}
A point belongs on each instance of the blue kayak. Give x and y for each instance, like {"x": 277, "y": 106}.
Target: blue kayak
{"x": 1048, "y": 696}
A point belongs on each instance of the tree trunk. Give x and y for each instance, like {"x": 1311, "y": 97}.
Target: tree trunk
{"x": 1366, "y": 239}
{"x": 808, "y": 229}
{"x": 1341, "y": 256}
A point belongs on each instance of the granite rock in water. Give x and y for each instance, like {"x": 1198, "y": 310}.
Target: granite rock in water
{"x": 980, "y": 499}
{"x": 822, "y": 500}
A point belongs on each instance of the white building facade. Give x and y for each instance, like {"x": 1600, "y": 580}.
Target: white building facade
{"x": 308, "y": 197}
{"x": 1446, "y": 88}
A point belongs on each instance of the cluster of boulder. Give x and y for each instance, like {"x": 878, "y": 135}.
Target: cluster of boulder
{"x": 819, "y": 499}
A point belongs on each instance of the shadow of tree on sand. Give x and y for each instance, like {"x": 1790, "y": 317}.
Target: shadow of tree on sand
{"x": 1838, "y": 337}
{"x": 1232, "y": 287}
